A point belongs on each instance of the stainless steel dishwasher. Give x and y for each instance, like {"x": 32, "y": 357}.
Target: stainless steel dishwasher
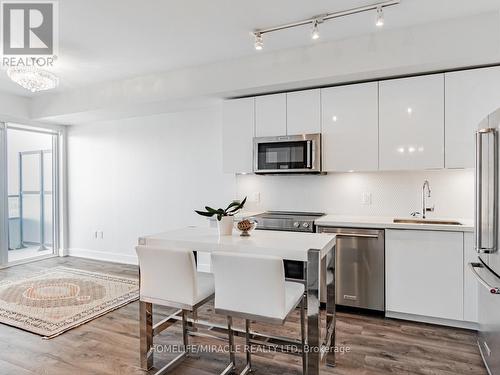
{"x": 359, "y": 267}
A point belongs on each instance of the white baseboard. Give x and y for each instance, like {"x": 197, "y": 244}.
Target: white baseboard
{"x": 103, "y": 255}
{"x": 432, "y": 320}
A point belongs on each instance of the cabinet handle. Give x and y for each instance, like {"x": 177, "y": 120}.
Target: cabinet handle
{"x": 309, "y": 153}
{"x": 492, "y": 289}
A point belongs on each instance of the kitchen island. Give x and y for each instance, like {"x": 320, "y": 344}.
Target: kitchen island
{"x": 314, "y": 249}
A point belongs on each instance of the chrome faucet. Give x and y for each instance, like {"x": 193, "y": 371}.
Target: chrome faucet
{"x": 424, "y": 196}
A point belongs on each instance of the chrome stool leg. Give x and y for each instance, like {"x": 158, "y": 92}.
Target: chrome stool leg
{"x": 232, "y": 356}
{"x": 195, "y": 319}
{"x": 248, "y": 349}
{"x": 185, "y": 332}
{"x": 303, "y": 334}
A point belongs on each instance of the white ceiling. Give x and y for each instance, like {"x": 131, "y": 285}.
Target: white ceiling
{"x": 117, "y": 39}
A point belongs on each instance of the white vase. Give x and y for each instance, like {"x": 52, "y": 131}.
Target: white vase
{"x": 225, "y": 226}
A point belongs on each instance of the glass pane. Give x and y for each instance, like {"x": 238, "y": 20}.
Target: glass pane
{"x": 282, "y": 155}
{"x": 47, "y": 171}
{"x": 30, "y": 172}
{"x": 13, "y": 206}
{"x": 31, "y": 219}
{"x": 31, "y": 227}
{"x": 48, "y": 240}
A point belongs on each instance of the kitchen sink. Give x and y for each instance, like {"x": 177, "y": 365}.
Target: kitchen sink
{"x": 426, "y": 221}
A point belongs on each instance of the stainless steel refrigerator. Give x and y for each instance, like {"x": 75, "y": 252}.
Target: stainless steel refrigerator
{"x": 486, "y": 230}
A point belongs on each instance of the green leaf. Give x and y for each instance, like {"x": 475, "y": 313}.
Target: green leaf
{"x": 202, "y": 213}
{"x": 210, "y": 209}
{"x": 239, "y": 205}
{"x": 235, "y": 203}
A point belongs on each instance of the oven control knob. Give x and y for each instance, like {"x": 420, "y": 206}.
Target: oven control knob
{"x": 296, "y": 224}
{"x": 305, "y": 225}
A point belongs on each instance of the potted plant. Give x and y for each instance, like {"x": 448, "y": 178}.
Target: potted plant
{"x": 225, "y": 219}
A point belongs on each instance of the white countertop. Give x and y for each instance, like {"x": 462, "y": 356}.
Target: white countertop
{"x": 387, "y": 223}
{"x": 287, "y": 245}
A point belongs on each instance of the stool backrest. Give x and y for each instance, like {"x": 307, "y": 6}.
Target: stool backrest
{"x": 167, "y": 275}
{"x": 249, "y": 284}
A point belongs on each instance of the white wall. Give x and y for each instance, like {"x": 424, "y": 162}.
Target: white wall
{"x": 393, "y": 193}
{"x": 142, "y": 175}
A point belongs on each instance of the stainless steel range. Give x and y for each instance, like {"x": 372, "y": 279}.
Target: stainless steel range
{"x": 291, "y": 222}
{"x": 287, "y": 221}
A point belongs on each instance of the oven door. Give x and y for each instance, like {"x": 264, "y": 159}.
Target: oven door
{"x": 288, "y": 154}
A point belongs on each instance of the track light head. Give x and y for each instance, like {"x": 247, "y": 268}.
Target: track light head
{"x": 380, "y": 17}
{"x": 315, "y": 31}
{"x": 259, "y": 43}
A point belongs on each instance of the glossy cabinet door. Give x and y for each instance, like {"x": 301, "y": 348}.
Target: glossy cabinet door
{"x": 350, "y": 127}
{"x": 238, "y": 128}
{"x": 412, "y": 123}
{"x": 471, "y": 95}
{"x": 270, "y": 115}
{"x": 303, "y": 112}
{"x": 424, "y": 273}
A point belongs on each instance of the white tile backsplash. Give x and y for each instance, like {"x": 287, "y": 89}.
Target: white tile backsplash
{"x": 390, "y": 193}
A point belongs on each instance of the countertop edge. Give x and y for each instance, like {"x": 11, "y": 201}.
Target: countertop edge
{"x": 380, "y": 225}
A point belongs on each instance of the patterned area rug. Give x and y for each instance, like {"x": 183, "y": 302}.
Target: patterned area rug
{"x": 56, "y": 300}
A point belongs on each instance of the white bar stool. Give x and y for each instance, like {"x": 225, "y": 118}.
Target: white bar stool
{"x": 168, "y": 277}
{"x": 254, "y": 288}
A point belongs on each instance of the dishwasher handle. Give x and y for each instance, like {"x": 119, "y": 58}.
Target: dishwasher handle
{"x": 361, "y": 235}
{"x": 492, "y": 289}
{"x": 351, "y": 232}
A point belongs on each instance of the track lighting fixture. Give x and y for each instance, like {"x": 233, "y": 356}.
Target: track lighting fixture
{"x": 315, "y": 21}
{"x": 259, "y": 43}
{"x": 315, "y": 31}
{"x": 380, "y": 17}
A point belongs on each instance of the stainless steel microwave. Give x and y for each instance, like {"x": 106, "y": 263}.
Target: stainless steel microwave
{"x": 287, "y": 154}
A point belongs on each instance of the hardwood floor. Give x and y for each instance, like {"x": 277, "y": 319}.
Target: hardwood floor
{"x": 110, "y": 344}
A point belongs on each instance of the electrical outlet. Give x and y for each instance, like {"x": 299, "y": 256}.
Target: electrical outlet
{"x": 366, "y": 199}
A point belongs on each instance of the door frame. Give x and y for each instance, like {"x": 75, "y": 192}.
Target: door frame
{"x": 4, "y": 206}
{"x": 59, "y": 214}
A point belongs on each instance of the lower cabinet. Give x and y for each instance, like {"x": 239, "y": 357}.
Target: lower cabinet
{"x": 425, "y": 273}
{"x": 471, "y": 284}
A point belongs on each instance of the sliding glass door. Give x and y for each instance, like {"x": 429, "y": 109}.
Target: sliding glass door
{"x": 30, "y": 175}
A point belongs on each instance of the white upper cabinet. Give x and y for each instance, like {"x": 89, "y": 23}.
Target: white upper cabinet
{"x": 303, "y": 112}
{"x": 270, "y": 115}
{"x": 471, "y": 95}
{"x": 237, "y": 135}
{"x": 412, "y": 123}
{"x": 350, "y": 127}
